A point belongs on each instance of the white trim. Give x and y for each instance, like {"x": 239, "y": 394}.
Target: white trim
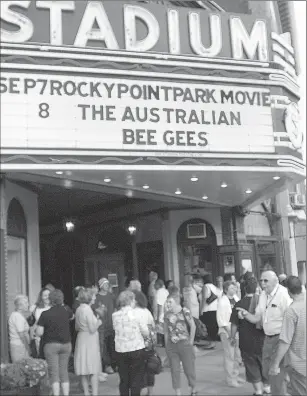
{"x": 117, "y": 167}
{"x": 282, "y": 42}
{"x": 67, "y": 69}
{"x": 138, "y": 55}
{"x": 133, "y": 60}
{"x": 100, "y": 153}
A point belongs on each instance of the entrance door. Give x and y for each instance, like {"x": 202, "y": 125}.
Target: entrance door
{"x": 16, "y": 269}
{"x": 106, "y": 265}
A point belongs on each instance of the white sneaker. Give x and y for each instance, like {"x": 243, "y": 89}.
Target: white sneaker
{"x": 234, "y": 384}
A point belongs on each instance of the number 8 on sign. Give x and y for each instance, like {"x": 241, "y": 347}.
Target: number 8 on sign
{"x": 43, "y": 110}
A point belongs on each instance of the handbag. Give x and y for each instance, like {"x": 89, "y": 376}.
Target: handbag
{"x": 33, "y": 349}
{"x": 201, "y": 330}
{"x": 211, "y": 298}
{"x": 154, "y": 363}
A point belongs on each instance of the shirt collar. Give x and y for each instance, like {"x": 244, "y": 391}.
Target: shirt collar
{"x": 274, "y": 291}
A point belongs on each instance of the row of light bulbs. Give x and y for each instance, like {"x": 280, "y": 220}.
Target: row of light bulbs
{"x": 178, "y": 191}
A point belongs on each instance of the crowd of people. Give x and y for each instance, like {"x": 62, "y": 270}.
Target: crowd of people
{"x": 260, "y": 324}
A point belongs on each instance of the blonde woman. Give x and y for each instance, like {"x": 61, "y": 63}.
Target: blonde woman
{"x": 87, "y": 358}
{"x": 19, "y": 330}
{"x": 130, "y": 331}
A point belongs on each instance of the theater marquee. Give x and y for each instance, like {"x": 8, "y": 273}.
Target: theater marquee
{"x": 57, "y": 111}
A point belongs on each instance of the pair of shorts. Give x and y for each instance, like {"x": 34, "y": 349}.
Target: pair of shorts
{"x": 253, "y": 366}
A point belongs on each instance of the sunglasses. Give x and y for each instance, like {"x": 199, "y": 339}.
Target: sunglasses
{"x": 264, "y": 280}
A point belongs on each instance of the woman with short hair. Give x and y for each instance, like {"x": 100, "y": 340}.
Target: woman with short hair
{"x": 53, "y": 327}
{"x": 130, "y": 332}
{"x": 179, "y": 332}
{"x": 87, "y": 357}
{"x": 19, "y": 330}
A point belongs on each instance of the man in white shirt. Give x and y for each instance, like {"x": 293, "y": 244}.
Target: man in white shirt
{"x": 161, "y": 298}
{"x": 273, "y": 303}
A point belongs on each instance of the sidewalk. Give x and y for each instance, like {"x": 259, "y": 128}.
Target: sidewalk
{"x": 210, "y": 379}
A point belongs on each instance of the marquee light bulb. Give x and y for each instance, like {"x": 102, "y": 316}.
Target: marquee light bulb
{"x": 276, "y": 177}
{"x": 194, "y": 178}
{"x": 248, "y": 191}
{"x": 107, "y": 180}
{"x": 177, "y": 192}
{"x": 205, "y": 197}
{"x": 70, "y": 226}
{"x": 146, "y": 186}
{"x": 224, "y": 185}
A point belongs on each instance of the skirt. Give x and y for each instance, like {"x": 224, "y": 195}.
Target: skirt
{"x": 87, "y": 360}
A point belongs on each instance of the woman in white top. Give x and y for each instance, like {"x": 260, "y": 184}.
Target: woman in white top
{"x": 130, "y": 332}
{"x": 161, "y": 297}
{"x": 210, "y": 295}
{"x": 42, "y": 304}
{"x": 145, "y": 316}
{"x": 231, "y": 352}
{"x": 19, "y": 330}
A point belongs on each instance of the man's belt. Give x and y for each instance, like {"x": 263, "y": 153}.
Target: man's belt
{"x": 274, "y": 335}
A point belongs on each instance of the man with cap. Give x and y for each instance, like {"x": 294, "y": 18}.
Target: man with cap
{"x": 106, "y": 334}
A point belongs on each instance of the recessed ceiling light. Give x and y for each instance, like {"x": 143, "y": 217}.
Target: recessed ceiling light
{"x": 248, "y": 191}
{"x": 276, "y": 177}
{"x": 177, "y": 192}
{"x": 224, "y": 185}
{"x": 59, "y": 172}
{"x": 194, "y": 178}
{"x": 205, "y": 197}
{"x": 107, "y": 180}
{"x": 146, "y": 186}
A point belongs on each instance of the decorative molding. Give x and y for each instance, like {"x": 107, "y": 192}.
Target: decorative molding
{"x": 136, "y": 66}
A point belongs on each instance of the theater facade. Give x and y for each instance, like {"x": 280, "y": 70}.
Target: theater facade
{"x": 186, "y": 118}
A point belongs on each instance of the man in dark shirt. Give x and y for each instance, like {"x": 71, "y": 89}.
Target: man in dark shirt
{"x": 106, "y": 332}
{"x": 251, "y": 337}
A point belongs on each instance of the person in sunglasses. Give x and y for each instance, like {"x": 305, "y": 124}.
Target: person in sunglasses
{"x": 273, "y": 303}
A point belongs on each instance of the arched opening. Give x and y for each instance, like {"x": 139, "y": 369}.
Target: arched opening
{"x": 69, "y": 266}
{"x": 17, "y": 268}
{"x": 197, "y": 252}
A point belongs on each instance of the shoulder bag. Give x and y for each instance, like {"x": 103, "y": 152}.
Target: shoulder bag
{"x": 153, "y": 363}
{"x": 211, "y": 298}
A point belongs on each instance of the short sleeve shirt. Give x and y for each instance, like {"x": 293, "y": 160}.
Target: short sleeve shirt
{"x": 56, "y": 326}
{"x": 17, "y": 324}
{"x": 272, "y": 309}
{"x": 161, "y": 298}
{"x": 293, "y": 332}
{"x": 177, "y": 325}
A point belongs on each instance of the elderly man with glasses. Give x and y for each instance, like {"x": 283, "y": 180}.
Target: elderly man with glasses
{"x": 273, "y": 303}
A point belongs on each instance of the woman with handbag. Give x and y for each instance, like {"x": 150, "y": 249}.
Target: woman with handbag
{"x": 152, "y": 363}
{"x": 179, "y": 332}
{"x": 210, "y": 295}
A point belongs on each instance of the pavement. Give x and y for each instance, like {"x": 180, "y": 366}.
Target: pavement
{"x": 209, "y": 372}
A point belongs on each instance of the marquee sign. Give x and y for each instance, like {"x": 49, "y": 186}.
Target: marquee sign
{"x": 66, "y": 111}
{"x": 135, "y": 26}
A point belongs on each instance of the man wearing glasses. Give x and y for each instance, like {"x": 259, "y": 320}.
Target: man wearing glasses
{"x": 273, "y": 303}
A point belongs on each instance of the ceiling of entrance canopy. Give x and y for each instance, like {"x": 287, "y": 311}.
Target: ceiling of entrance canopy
{"x": 185, "y": 187}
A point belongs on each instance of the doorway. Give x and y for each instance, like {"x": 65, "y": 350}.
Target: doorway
{"x": 106, "y": 265}
{"x": 16, "y": 269}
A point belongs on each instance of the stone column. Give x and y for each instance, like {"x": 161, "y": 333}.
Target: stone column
{"x": 4, "y": 341}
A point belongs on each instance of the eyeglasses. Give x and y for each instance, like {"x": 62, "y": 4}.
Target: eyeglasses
{"x": 264, "y": 280}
